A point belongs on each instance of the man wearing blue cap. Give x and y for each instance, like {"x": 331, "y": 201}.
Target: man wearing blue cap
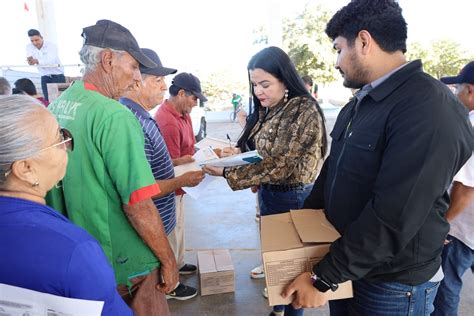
{"x": 177, "y": 130}
{"x": 458, "y": 252}
{"x": 109, "y": 184}
{"x": 146, "y": 95}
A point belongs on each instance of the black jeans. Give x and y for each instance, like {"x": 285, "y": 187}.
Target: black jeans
{"x": 50, "y": 79}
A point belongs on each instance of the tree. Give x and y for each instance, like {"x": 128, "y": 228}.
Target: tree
{"x": 219, "y": 86}
{"x": 441, "y": 58}
{"x": 307, "y": 44}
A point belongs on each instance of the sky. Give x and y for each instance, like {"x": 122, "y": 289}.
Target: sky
{"x": 204, "y": 36}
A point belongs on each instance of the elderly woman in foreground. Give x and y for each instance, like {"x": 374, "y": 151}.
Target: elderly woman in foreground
{"x": 41, "y": 249}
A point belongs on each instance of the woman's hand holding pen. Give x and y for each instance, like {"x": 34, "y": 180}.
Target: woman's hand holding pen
{"x": 229, "y": 151}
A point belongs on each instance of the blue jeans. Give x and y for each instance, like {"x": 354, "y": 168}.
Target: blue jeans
{"x": 50, "y": 79}
{"x": 457, "y": 258}
{"x": 272, "y": 202}
{"x": 387, "y": 298}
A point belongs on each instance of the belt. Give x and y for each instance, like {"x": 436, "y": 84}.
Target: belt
{"x": 282, "y": 187}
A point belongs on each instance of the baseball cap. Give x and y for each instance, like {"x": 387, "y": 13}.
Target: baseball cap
{"x": 159, "y": 70}
{"x": 465, "y": 76}
{"x": 189, "y": 83}
{"x": 108, "y": 34}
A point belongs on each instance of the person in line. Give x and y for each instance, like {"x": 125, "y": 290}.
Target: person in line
{"x": 26, "y": 86}
{"x": 5, "y": 87}
{"x": 176, "y": 127}
{"x": 312, "y": 87}
{"x": 395, "y": 150}
{"x": 236, "y": 105}
{"x": 287, "y": 129}
{"x": 109, "y": 183}
{"x": 43, "y": 53}
{"x": 458, "y": 251}
{"x": 31, "y": 163}
{"x": 146, "y": 95}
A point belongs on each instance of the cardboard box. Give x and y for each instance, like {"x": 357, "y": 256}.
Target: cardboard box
{"x": 216, "y": 271}
{"x": 291, "y": 244}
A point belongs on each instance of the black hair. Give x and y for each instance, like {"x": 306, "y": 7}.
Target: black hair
{"x": 383, "y": 19}
{"x": 26, "y": 85}
{"x": 307, "y": 79}
{"x": 33, "y": 32}
{"x": 17, "y": 91}
{"x": 277, "y": 63}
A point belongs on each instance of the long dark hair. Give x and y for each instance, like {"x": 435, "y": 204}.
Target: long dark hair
{"x": 277, "y": 63}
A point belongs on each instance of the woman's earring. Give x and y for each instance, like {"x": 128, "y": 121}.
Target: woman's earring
{"x": 35, "y": 184}
{"x": 286, "y": 96}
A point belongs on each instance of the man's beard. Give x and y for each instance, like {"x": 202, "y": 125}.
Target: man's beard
{"x": 359, "y": 78}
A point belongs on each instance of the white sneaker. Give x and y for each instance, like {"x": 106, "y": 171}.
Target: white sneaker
{"x": 265, "y": 293}
{"x": 257, "y": 272}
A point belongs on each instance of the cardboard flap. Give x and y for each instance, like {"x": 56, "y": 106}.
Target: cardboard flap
{"x": 223, "y": 260}
{"x": 278, "y": 233}
{"x": 206, "y": 261}
{"x": 312, "y": 226}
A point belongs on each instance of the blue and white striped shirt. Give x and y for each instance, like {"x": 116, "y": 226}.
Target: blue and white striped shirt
{"x": 160, "y": 162}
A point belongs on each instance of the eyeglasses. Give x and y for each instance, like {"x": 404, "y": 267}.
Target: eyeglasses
{"x": 66, "y": 139}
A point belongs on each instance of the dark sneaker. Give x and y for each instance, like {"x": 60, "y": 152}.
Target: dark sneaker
{"x": 182, "y": 293}
{"x": 188, "y": 269}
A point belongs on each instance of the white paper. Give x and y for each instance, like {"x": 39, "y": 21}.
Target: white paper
{"x": 205, "y": 154}
{"x": 201, "y": 188}
{"x": 202, "y": 155}
{"x": 182, "y": 169}
{"x": 16, "y": 301}
{"x": 234, "y": 160}
{"x": 214, "y": 143}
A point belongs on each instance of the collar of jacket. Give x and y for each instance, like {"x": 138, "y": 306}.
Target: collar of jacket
{"x": 395, "y": 80}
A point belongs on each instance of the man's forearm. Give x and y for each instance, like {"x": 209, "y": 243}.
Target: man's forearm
{"x": 461, "y": 196}
{"x": 144, "y": 218}
{"x": 168, "y": 186}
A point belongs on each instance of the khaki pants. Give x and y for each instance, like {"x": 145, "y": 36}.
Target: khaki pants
{"x": 143, "y": 298}
{"x": 176, "y": 237}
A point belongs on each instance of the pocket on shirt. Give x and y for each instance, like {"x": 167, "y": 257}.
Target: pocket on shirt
{"x": 362, "y": 153}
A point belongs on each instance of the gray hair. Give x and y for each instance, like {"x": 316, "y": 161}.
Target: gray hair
{"x": 5, "y": 87}
{"x": 17, "y": 139}
{"x": 90, "y": 56}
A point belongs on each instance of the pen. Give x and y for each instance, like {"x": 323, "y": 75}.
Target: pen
{"x": 228, "y": 138}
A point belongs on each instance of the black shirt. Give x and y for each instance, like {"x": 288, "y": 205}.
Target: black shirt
{"x": 384, "y": 184}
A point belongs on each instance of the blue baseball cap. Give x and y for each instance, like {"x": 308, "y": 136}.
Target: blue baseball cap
{"x": 159, "y": 70}
{"x": 189, "y": 82}
{"x": 465, "y": 76}
{"x": 109, "y": 34}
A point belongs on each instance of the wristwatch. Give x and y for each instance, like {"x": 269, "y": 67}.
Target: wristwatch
{"x": 322, "y": 285}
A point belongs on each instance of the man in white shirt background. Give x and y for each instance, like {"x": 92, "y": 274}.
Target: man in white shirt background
{"x": 43, "y": 53}
{"x": 458, "y": 252}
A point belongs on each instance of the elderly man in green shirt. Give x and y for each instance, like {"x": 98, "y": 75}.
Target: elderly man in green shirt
{"x": 109, "y": 184}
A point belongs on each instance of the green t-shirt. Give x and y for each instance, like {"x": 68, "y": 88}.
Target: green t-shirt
{"x": 107, "y": 169}
{"x": 236, "y": 101}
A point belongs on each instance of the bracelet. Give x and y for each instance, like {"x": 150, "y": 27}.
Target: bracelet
{"x": 223, "y": 172}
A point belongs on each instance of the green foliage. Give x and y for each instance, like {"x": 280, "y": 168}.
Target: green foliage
{"x": 441, "y": 58}
{"x": 219, "y": 86}
{"x": 260, "y": 36}
{"x": 308, "y": 46}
